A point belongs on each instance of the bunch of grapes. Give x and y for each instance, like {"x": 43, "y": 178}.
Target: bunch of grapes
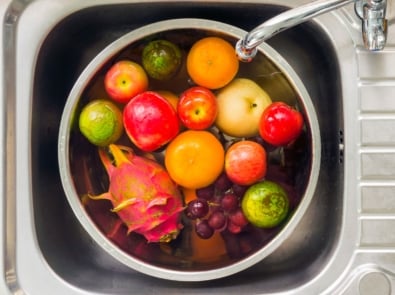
{"x": 217, "y": 208}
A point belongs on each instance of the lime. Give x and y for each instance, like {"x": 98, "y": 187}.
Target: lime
{"x": 265, "y": 204}
{"x": 101, "y": 122}
{"x": 161, "y": 59}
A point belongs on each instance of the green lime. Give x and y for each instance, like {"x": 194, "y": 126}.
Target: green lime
{"x": 265, "y": 204}
{"x": 161, "y": 59}
{"x": 101, "y": 122}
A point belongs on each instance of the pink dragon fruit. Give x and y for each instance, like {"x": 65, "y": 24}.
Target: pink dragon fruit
{"x": 143, "y": 195}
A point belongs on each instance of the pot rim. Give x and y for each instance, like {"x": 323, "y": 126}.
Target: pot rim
{"x": 67, "y": 180}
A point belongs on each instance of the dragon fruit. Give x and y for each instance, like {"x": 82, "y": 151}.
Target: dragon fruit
{"x": 143, "y": 195}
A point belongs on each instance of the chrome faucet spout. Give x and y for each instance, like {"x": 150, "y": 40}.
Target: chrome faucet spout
{"x": 246, "y": 48}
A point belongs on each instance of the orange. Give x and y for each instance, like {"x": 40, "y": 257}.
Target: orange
{"x": 194, "y": 159}
{"x": 204, "y": 249}
{"x": 170, "y": 97}
{"x": 212, "y": 62}
{"x": 189, "y": 194}
{"x": 207, "y": 249}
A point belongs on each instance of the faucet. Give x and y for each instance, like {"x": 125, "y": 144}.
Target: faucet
{"x": 374, "y": 23}
{"x": 371, "y": 12}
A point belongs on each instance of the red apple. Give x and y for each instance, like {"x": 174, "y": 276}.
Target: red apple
{"x": 150, "y": 121}
{"x": 245, "y": 162}
{"x": 124, "y": 80}
{"x": 197, "y": 108}
{"x": 280, "y": 124}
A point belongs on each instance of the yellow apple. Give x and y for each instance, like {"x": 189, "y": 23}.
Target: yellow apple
{"x": 240, "y": 107}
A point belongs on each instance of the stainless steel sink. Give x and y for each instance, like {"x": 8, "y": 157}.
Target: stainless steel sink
{"x": 341, "y": 245}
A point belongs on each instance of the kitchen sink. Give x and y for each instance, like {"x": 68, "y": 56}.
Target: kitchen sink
{"x": 333, "y": 250}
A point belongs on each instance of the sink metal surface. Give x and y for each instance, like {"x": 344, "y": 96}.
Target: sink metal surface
{"x": 344, "y": 244}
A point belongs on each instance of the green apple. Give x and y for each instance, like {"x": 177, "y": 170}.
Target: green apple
{"x": 240, "y": 107}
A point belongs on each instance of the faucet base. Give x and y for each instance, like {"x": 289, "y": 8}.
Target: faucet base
{"x": 374, "y": 24}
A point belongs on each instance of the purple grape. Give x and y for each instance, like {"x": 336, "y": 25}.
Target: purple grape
{"x": 206, "y": 193}
{"x": 223, "y": 183}
{"x": 217, "y": 220}
{"x": 230, "y": 202}
{"x": 238, "y": 218}
{"x": 239, "y": 190}
{"x": 197, "y": 208}
{"x": 233, "y": 228}
{"x": 203, "y": 229}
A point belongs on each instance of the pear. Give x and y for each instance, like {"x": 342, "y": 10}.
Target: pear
{"x": 240, "y": 107}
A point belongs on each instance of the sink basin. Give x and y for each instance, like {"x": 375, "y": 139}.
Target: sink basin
{"x": 311, "y": 56}
{"x": 81, "y": 171}
{"x": 50, "y": 253}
